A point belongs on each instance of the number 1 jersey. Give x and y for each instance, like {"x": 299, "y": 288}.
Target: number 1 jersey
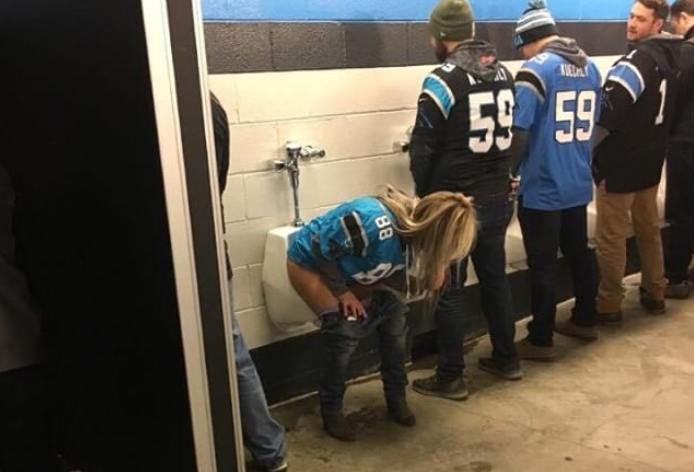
{"x": 557, "y": 103}
{"x": 638, "y": 106}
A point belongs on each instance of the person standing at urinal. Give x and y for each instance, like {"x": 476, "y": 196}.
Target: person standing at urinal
{"x": 679, "y": 201}
{"x": 557, "y": 101}
{"x": 262, "y": 435}
{"x": 631, "y": 138}
{"x": 348, "y": 265}
{"x": 461, "y": 143}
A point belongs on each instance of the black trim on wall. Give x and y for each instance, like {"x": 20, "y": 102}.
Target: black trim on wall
{"x": 194, "y": 141}
{"x": 263, "y": 47}
{"x": 291, "y": 367}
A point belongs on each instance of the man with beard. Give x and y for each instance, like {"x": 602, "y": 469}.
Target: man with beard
{"x": 679, "y": 202}
{"x": 461, "y": 142}
{"x": 638, "y": 107}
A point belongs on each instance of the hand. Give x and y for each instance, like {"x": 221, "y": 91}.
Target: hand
{"x": 513, "y": 185}
{"x": 351, "y": 306}
{"x": 437, "y": 282}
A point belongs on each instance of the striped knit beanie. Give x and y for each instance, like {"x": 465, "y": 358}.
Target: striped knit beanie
{"x": 535, "y": 23}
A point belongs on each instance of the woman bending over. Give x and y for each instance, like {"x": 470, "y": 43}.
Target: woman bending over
{"x": 354, "y": 266}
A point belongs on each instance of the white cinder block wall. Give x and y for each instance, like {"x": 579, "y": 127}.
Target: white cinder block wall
{"x": 354, "y": 114}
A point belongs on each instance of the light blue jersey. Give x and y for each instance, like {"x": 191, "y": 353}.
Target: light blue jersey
{"x": 359, "y": 235}
{"x": 557, "y": 102}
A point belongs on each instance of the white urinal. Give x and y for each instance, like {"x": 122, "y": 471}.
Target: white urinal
{"x": 285, "y": 308}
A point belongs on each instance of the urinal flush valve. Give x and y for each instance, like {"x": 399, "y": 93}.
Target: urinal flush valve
{"x": 296, "y": 153}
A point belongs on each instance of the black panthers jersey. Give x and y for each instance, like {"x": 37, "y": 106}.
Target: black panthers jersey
{"x": 462, "y": 135}
{"x": 638, "y": 108}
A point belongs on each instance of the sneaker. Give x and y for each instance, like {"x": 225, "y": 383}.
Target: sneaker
{"x": 529, "y": 351}
{"x": 284, "y": 467}
{"x": 677, "y": 291}
{"x": 455, "y": 390}
{"x": 337, "y": 426}
{"x": 652, "y": 306}
{"x": 399, "y": 412}
{"x": 509, "y": 372}
{"x": 255, "y": 467}
{"x": 571, "y": 329}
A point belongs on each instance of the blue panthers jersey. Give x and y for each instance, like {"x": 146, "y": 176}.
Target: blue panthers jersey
{"x": 359, "y": 235}
{"x": 557, "y": 103}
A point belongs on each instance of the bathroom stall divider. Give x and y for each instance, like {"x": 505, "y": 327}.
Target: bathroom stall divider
{"x": 178, "y": 69}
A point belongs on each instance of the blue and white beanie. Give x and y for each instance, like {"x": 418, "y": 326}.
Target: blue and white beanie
{"x": 535, "y": 23}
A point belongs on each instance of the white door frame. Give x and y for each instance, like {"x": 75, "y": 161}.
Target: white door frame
{"x": 162, "y": 75}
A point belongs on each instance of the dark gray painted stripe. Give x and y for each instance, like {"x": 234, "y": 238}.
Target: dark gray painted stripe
{"x": 264, "y": 47}
{"x": 185, "y": 61}
{"x": 291, "y": 368}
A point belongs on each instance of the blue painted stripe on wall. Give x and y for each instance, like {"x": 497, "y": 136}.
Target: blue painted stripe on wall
{"x": 400, "y": 10}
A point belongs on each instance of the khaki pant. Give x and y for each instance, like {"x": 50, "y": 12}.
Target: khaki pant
{"x": 611, "y": 235}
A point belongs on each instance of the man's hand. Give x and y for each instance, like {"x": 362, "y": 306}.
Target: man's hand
{"x": 351, "y": 306}
{"x": 513, "y": 185}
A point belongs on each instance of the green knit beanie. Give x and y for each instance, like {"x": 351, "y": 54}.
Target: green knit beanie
{"x": 451, "y": 20}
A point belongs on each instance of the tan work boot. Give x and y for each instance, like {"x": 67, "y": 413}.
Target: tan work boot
{"x": 571, "y": 329}
{"x": 529, "y": 351}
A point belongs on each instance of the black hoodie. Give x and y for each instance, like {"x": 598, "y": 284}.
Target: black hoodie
{"x": 638, "y": 117}
{"x": 462, "y": 135}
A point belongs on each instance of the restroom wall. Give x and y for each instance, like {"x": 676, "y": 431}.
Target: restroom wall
{"x": 339, "y": 76}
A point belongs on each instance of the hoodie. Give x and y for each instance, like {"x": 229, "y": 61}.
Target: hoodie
{"x": 461, "y": 138}
{"x": 557, "y": 97}
{"x": 568, "y": 49}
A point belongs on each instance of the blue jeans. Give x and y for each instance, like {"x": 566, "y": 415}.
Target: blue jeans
{"x": 489, "y": 258}
{"x": 386, "y": 316}
{"x": 262, "y": 435}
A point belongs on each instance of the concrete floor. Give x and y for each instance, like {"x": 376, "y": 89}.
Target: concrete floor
{"x": 623, "y": 403}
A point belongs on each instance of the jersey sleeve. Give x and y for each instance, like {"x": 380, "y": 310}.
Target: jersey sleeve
{"x": 433, "y": 108}
{"x": 344, "y": 236}
{"x": 531, "y": 91}
{"x": 628, "y": 74}
{"x": 436, "y": 88}
{"x": 623, "y": 87}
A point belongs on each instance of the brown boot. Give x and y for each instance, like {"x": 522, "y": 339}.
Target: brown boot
{"x": 571, "y": 329}
{"x": 528, "y": 351}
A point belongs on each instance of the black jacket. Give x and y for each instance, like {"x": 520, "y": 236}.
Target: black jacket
{"x": 683, "y": 129}
{"x": 638, "y": 108}
{"x": 462, "y": 135}
{"x": 221, "y": 144}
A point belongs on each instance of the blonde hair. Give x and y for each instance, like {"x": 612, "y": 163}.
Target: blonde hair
{"x": 440, "y": 228}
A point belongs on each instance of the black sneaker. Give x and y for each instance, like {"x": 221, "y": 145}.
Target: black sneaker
{"x": 337, "y": 427}
{"x": 455, "y": 390}
{"x": 399, "y": 412}
{"x": 652, "y": 306}
{"x": 509, "y": 371}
